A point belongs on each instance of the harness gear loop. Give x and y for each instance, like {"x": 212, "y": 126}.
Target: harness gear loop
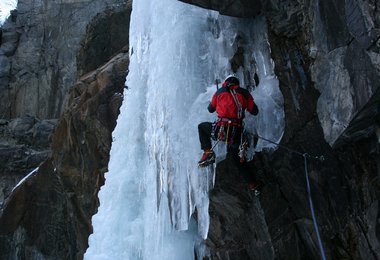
{"x": 224, "y": 129}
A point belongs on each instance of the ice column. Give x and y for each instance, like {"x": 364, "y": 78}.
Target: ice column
{"x": 154, "y": 185}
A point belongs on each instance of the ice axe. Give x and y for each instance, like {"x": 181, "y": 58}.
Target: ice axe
{"x": 217, "y": 82}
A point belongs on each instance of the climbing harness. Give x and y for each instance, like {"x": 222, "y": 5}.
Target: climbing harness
{"x": 228, "y": 123}
{"x": 305, "y": 156}
{"x": 222, "y": 128}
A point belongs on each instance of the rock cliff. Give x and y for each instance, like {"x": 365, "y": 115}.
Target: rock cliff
{"x": 24, "y": 144}
{"x": 48, "y": 215}
{"x": 239, "y": 8}
{"x": 327, "y": 61}
{"x": 39, "y": 49}
{"x": 58, "y": 60}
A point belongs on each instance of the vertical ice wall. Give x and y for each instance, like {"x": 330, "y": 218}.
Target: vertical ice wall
{"x": 153, "y": 184}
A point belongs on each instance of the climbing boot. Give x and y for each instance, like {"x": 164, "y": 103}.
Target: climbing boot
{"x": 208, "y": 157}
{"x": 254, "y": 187}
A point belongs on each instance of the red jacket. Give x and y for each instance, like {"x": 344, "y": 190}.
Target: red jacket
{"x": 223, "y": 102}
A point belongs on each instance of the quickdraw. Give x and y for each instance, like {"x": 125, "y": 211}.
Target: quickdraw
{"x": 242, "y": 150}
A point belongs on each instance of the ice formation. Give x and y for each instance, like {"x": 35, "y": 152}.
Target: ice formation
{"x": 154, "y": 185}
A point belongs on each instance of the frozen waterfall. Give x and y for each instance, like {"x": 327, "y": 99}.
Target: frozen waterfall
{"x": 154, "y": 185}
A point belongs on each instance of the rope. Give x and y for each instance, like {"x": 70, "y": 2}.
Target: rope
{"x": 321, "y": 158}
{"x": 315, "y": 224}
{"x": 237, "y": 103}
{"x": 305, "y": 156}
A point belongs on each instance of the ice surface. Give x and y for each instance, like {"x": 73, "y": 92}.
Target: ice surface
{"x": 154, "y": 185}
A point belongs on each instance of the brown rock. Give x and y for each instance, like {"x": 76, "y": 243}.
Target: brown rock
{"x": 49, "y": 214}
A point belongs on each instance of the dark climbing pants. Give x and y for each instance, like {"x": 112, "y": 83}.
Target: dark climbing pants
{"x": 206, "y": 130}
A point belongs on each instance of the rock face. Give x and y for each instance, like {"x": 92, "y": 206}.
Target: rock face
{"x": 347, "y": 61}
{"x": 24, "y": 144}
{"x": 240, "y": 8}
{"x": 44, "y": 48}
{"x": 48, "y": 215}
{"x": 327, "y": 61}
{"x": 39, "y": 49}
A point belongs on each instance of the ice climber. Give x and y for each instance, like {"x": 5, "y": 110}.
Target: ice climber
{"x": 230, "y": 103}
